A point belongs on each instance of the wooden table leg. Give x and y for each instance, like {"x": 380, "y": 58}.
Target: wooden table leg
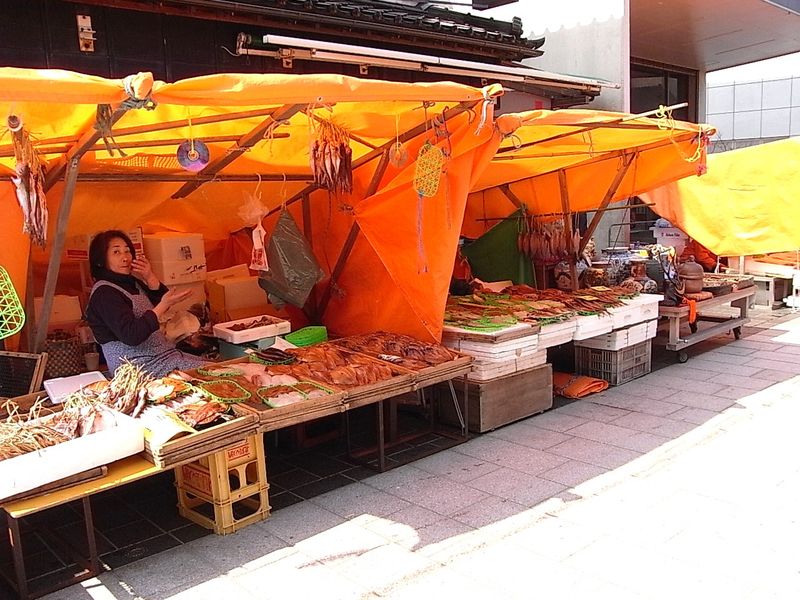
{"x": 94, "y": 560}
{"x": 19, "y": 560}
{"x": 674, "y": 330}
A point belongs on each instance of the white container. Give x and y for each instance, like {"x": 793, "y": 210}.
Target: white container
{"x": 276, "y": 327}
{"x": 592, "y": 325}
{"x": 556, "y": 334}
{"x": 59, "y": 388}
{"x": 28, "y": 471}
{"x": 170, "y": 247}
{"x": 179, "y": 271}
{"x": 621, "y": 338}
{"x": 625, "y": 315}
{"x": 197, "y": 295}
{"x": 490, "y": 348}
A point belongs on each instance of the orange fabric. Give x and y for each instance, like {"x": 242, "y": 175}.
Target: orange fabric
{"x": 577, "y": 386}
{"x": 588, "y": 145}
{"x": 384, "y": 285}
{"x": 692, "y": 309}
{"x": 702, "y": 255}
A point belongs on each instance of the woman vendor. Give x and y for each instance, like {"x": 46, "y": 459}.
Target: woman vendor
{"x": 125, "y": 305}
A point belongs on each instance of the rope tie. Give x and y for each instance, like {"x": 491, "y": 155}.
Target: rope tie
{"x": 487, "y": 102}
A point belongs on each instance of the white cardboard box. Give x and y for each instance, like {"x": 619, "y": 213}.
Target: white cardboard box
{"x": 170, "y": 247}
{"x": 278, "y": 327}
{"x": 179, "y": 271}
{"x": 34, "y": 469}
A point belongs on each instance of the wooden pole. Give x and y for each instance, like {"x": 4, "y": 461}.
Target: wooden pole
{"x": 191, "y": 177}
{"x": 244, "y": 143}
{"x": 353, "y": 235}
{"x": 562, "y": 184}
{"x": 626, "y": 162}
{"x": 55, "y": 252}
{"x": 514, "y": 198}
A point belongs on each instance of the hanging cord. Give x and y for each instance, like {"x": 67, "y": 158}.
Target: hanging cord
{"x": 105, "y": 113}
{"x": 665, "y": 121}
{"x": 487, "y": 102}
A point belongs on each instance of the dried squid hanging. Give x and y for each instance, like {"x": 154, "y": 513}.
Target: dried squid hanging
{"x": 29, "y": 183}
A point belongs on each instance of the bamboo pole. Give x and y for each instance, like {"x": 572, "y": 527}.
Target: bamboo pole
{"x": 54, "y": 266}
{"x": 191, "y": 177}
{"x": 244, "y": 143}
{"x": 562, "y": 184}
{"x": 626, "y": 162}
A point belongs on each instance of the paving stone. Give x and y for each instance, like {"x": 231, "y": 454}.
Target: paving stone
{"x": 525, "y": 489}
{"x": 698, "y": 416}
{"x": 359, "y": 499}
{"x": 488, "y": 511}
{"x": 592, "y": 412}
{"x": 556, "y": 421}
{"x": 775, "y": 375}
{"x": 727, "y": 358}
{"x": 742, "y": 381}
{"x": 700, "y": 400}
{"x": 527, "y": 434}
{"x": 664, "y": 427}
{"x": 440, "y": 495}
{"x": 677, "y": 383}
{"x": 607, "y": 433}
{"x": 573, "y": 472}
{"x": 764, "y": 363}
{"x": 596, "y": 453}
{"x": 456, "y": 466}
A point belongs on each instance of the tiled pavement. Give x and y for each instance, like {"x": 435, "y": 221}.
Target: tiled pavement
{"x": 684, "y": 483}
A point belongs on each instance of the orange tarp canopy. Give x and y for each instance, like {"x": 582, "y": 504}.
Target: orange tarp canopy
{"x": 397, "y": 274}
{"x": 590, "y": 147}
{"x": 746, "y": 204}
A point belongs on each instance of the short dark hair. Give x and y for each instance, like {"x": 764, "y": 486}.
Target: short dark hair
{"x": 98, "y": 250}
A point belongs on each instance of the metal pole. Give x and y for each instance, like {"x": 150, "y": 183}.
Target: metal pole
{"x": 55, "y": 252}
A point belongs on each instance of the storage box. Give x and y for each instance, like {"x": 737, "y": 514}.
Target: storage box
{"x": 589, "y": 326}
{"x": 227, "y": 490}
{"x": 167, "y": 247}
{"x": 59, "y": 388}
{"x": 504, "y": 400}
{"x": 621, "y": 338}
{"x": 231, "y": 298}
{"x": 614, "y": 366}
{"x": 77, "y": 247}
{"x": 179, "y": 271}
{"x": 65, "y": 313}
{"x": 197, "y": 295}
{"x": 556, "y": 334}
{"x": 28, "y": 471}
{"x": 488, "y": 370}
{"x": 274, "y": 327}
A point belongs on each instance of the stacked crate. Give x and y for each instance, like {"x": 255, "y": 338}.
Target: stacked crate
{"x": 227, "y": 490}
{"x": 179, "y": 261}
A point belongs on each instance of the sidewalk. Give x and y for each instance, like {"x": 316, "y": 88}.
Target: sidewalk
{"x": 684, "y": 483}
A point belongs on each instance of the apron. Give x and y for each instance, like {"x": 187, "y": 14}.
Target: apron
{"x": 156, "y": 354}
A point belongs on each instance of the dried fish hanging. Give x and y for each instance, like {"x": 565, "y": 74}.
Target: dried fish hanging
{"x": 29, "y": 182}
{"x": 398, "y": 156}
{"x": 548, "y": 241}
{"x": 331, "y": 157}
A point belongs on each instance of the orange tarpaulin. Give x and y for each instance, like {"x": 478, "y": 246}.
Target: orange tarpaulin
{"x": 396, "y": 276}
{"x": 590, "y": 147}
{"x": 747, "y": 204}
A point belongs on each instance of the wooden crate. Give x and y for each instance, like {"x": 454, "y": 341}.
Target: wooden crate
{"x": 495, "y": 403}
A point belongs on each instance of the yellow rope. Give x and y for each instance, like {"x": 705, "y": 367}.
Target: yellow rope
{"x": 665, "y": 121}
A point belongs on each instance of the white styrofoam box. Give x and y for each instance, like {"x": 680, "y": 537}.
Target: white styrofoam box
{"x": 616, "y": 340}
{"x": 276, "y": 327}
{"x": 589, "y": 326}
{"x": 625, "y": 315}
{"x": 487, "y": 370}
{"x": 179, "y": 271}
{"x": 754, "y": 266}
{"x": 168, "y": 247}
{"x": 451, "y": 333}
{"x": 59, "y": 388}
{"x": 652, "y": 329}
{"x": 65, "y": 309}
{"x": 648, "y": 305}
{"x": 123, "y": 438}
{"x": 556, "y": 334}
{"x": 489, "y": 359}
{"x": 487, "y": 348}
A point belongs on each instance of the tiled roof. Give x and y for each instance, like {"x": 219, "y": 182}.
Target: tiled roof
{"x": 483, "y": 36}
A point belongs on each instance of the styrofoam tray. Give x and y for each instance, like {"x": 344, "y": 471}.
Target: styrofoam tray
{"x": 621, "y": 338}
{"x": 503, "y": 349}
{"x": 34, "y": 469}
{"x": 60, "y": 387}
{"x": 277, "y": 327}
{"x": 485, "y": 372}
{"x": 511, "y": 355}
{"x": 592, "y": 325}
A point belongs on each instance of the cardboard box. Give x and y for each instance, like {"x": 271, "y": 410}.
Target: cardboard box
{"x": 179, "y": 271}
{"x": 231, "y": 298}
{"x": 197, "y": 296}
{"x": 167, "y": 247}
{"x": 77, "y": 247}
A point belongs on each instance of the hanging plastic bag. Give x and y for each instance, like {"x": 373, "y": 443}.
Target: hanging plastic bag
{"x": 258, "y": 257}
{"x": 293, "y": 269}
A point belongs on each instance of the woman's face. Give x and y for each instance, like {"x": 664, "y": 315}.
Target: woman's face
{"x": 118, "y": 257}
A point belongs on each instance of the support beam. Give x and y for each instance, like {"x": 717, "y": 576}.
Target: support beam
{"x": 408, "y": 135}
{"x": 179, "y": 177}
{"x": 244, "y": 143}
{"x": 513, "y": 197}
{"x": 351, "y": 237}
{"x": 86, "y": 141}
{"x": 612, "y": 189}
{"x": 562, "y": 184}
{"x": 53, "y": 267}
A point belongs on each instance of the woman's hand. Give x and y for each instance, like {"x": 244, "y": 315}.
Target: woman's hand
{"x": 143, "y": 271}
{"x": 170, "y": 299}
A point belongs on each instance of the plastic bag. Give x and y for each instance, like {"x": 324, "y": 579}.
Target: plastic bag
{"x": 293, "y": 269}
{"x": 258, "y": 257}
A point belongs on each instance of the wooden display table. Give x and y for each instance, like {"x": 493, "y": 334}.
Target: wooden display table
{"x": 676, "y": 314}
